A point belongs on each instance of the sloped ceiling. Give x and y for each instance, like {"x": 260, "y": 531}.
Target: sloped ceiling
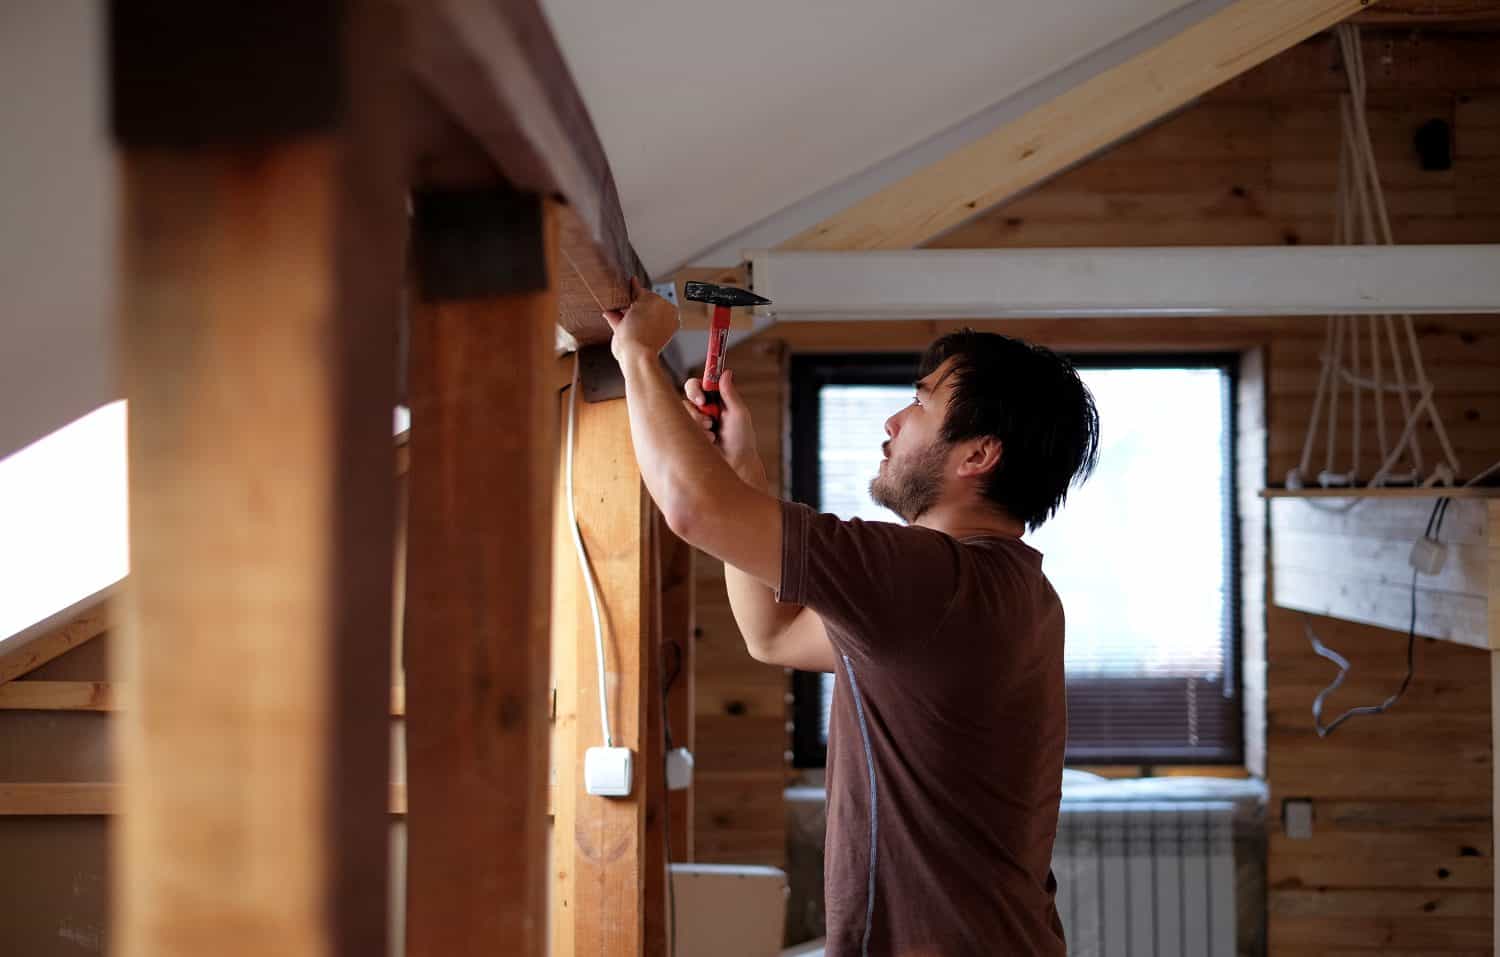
{"x": 716, "y": 114}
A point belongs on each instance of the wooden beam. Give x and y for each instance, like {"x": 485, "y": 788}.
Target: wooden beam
{"x": 483, "y": 430}
{"x": 261, "y": 241}
{"x": 497, "y": 70}
{"x": 653, "y": 762}
{"x": 1075, "y": 125}
{"x": 97, "y": 696}
{"x": 1134, "y": 281}
{"x": 677, "y": 646}
{"x": 63, "y": 799}
{"x": 1429, "y": 13}
{"x": 58, "y": 696}
{"x": 28, "y": 651}
{"x": 599, "y": 849}
{"x": 96, "y": 799}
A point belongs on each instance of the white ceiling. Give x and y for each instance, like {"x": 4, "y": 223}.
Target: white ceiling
{"x": 716, "y": 114}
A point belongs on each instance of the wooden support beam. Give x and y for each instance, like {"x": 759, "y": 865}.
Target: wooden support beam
{"x": 497, "y": 70}
{"x": 96, "y": 799}
{"x": 1074, "y": 126}
{"x": 653, "y": 761}
{"x": 261, "y": 239}
{"x": 97, "y": 696}
{"x": 1134, "y": 281}
{"x": 58, "y": 696}
{"x": 677, "y": 646}
{"x": 483, "y": 430}
{"x": 599, "y": 843}
{"x": 53, "y": 638}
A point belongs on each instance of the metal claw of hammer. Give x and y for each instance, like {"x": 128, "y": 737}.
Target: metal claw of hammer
{"x": 722, "y": 298}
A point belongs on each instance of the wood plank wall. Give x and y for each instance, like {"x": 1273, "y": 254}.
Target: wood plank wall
{"x": 1400, "y": 861}
{"x": 741, "y": 704}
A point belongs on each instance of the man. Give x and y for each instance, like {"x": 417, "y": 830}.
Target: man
{"x": 948, "y": 721}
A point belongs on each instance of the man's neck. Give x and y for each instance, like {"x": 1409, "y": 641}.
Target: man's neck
{"x": 970, "y": 520}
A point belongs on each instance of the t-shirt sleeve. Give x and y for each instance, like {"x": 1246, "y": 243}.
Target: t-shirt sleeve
{"x": 878, "y": 586}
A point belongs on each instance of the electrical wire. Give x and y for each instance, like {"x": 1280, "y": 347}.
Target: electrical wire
{"x": 583, "y": 561}
{"x": 1434, "y": 529}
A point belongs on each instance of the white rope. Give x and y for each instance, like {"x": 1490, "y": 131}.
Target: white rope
{"x": 1361, "y": 217}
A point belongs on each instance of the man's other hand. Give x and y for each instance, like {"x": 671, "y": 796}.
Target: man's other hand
{"x": 736, "y": 437}
{"x": 648, "y": 324}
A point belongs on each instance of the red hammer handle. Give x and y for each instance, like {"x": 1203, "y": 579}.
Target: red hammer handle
{"x": 713, "y": 366}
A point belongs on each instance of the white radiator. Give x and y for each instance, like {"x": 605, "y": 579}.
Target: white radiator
{"x": 1146, "y": 879}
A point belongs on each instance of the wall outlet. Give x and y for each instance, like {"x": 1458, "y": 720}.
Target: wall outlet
{"x": 607, "y": 772}
{"x": 1297, "y": 818}
{"x": 679, "y": 769}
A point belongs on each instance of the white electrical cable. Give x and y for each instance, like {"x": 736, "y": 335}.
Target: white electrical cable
{"x": 583, "y": 560}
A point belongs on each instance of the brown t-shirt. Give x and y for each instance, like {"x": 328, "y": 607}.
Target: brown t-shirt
{"x": 946, "y": 736}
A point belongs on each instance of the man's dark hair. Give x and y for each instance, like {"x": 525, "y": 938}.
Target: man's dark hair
{"x": 1032, "y": 400}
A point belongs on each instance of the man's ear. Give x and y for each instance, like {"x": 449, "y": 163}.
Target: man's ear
{"x": 982, "y": 457}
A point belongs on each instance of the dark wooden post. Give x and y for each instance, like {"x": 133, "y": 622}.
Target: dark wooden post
{"x": 260, "y": 258}
{"x": 483, "y": 434}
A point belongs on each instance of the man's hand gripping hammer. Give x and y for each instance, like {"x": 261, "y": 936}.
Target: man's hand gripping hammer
{"x": 722, "y": 298}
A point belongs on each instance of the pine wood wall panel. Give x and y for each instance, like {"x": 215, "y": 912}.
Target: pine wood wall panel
{"x": 741, "y": 704}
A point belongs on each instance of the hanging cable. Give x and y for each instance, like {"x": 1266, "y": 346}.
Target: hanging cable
{"x": 583, "y": 560}
{"x": 1434, "y": 529}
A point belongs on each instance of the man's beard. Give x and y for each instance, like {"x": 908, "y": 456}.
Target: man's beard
{"x": 911, "y": 485}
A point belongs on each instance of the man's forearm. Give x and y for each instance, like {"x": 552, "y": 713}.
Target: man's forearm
{"x": 676, "y": 463}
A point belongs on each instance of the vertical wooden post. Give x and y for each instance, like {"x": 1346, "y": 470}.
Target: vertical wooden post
{"x": 677, "y": 641}
{"x": 599, "y": 849}
{"x": 261, "y": 238}
{"x": 653, "y": 758}
{"x": 478, "y": 567}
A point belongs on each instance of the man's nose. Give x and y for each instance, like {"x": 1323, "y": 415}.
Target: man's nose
{"x": 891, "y": 425}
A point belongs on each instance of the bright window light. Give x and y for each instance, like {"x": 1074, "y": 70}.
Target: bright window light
{"x": 63, "y": 527}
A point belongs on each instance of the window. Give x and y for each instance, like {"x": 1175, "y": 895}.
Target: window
{"x": 1143, "y": 555}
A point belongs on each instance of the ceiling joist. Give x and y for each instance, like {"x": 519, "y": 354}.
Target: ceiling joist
{"x": 1142, "y": 281}
{"x": 1075, "y": 125}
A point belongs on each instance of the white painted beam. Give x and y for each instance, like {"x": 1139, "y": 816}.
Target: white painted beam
{"x": 1143, "y": 281}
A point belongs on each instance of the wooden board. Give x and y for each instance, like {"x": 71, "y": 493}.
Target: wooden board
{"x": 1361, "y": 570}
{"x": 478, "y": 593}
{"x": 55, "y": 637}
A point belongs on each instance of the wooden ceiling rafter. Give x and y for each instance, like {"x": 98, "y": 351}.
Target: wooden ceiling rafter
{"x": 1062, "y": 132}
{"x": 54, "y": 637}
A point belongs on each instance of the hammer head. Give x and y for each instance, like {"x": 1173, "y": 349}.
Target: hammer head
{"x": 717, "y": 295}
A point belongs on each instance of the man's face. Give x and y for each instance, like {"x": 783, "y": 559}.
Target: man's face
{"x": 911, "y": 477}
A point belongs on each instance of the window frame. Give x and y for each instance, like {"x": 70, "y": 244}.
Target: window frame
{"x": 809, "y": 372}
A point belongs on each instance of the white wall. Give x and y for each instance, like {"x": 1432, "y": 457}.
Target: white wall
{"x": 56, "y": 218}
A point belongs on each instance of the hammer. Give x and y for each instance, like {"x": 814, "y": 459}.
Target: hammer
{"x": 722, "y": 298}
